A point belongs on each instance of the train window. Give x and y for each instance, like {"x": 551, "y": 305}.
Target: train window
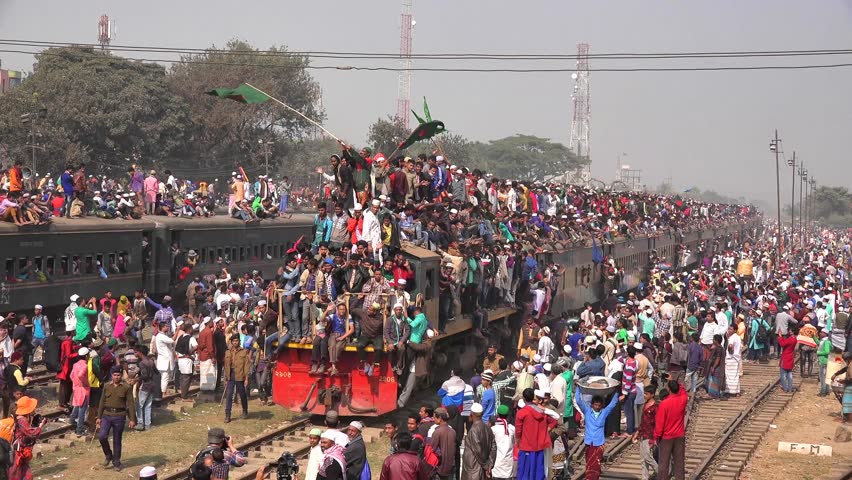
{"x": 89, "y": 265}
{"x": 256, "y": 252}
{"x": 99, "y": 262}
{"x": 234, "y": 254}
{"x": 22, "y": 272}
{"x": 9, "y": 268}
{"x": 202, "y": 255}
{"x": 123, "y": 262}
{"x": 50, "y": 266}
{"x": 211, "y": 255}
{"x": 243, "y": 254}
{"x": 220, "y": 254}
{"x": 64, "y": 267}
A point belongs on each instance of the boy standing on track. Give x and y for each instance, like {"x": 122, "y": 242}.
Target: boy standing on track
{"x": 595, "y": 418}
{"x": 645, "y": 434}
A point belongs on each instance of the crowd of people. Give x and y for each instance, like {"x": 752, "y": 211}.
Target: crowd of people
{"x": 75, "y": 194}
{"x": 683, "y": 332}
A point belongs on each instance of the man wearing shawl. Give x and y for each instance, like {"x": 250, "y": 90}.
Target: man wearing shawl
{"x": 333, "y": 464}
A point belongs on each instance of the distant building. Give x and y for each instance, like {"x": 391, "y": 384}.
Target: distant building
{"x": 10, "y": 79}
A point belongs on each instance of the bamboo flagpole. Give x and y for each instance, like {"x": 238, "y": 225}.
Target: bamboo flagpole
{"x": 288, "y": 107}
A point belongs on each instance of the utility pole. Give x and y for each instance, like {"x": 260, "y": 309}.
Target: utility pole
{"x": 813, "y": 202}
{"x": 803, "y": 174}
{"x": 792, "y": 163}
{"x": 775, "y": 146}
{"x": 267, "y": 150}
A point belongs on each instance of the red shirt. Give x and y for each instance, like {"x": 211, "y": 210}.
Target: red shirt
{"x": 57, "y": 203}
{"x": 788, "y": 345}
{"x": 670, "y": 416}
{"x": 646, "y": 428}
{"x": 531, "y": 429}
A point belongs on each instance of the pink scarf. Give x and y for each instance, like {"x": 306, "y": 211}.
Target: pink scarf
{"x": 335, "y": 452}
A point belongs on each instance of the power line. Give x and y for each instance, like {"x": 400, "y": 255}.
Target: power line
{"x": 444, "y": 56}
{"x": 451, "y": 70}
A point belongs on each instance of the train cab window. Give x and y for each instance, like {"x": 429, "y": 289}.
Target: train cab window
{"x": 430, "y": 284}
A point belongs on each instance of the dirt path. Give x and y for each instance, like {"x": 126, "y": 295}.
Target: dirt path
{"x": 808, "y": 418}
{"x": 168, "y": 446}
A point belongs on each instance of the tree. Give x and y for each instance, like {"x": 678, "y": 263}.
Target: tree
{"x": 524, "y": 157}
{"x": 226, "y": 132}
{"x": 304, "y": 156}
{"x": 99, "y": 108}
{"x": 384, "y": 135}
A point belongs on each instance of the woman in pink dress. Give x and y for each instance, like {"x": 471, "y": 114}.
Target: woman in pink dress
{"x": 80, "y": 390}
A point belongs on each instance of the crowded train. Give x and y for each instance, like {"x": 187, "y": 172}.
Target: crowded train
{"x": 507, "y": 301}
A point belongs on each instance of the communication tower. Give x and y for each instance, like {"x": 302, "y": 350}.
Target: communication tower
{"x": 403, "y": 96}
{"x": 106, "y": 31}
{"x": 579, "y": 142}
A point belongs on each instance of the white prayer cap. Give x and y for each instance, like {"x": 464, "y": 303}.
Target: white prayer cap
{"x": 357, "y": 425}
{"x": 476, "y": 408}
{"x": 147, "y": 472}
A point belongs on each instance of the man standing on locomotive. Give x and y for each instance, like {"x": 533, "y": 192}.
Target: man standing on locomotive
{"x": 372, "y": 326}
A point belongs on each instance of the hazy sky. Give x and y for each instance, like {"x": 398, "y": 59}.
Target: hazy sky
{"x": 708, "y": 129}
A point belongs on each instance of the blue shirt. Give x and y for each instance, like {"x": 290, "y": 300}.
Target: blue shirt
{"x": 67, "y": 181}
{"x": 38, "y": 331}
{"x": 574, "y": 340}
{"x": 593, "y": 367}
{"x": 595, "y": 421}
{"x": 529, "y": 268}
{"x": 488, "y": 402}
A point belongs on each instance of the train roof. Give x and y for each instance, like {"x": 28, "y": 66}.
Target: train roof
{"x": 95, "y": 224}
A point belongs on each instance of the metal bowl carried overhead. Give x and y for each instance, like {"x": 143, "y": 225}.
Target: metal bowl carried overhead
{"x": 601, "y": 386}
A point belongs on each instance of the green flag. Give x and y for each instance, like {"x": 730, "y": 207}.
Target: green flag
{"x": 426, "y": 111}
{"x": 424, "y": 131}
{"x": 243, "y": 94}
{"x": 419, "y": 120}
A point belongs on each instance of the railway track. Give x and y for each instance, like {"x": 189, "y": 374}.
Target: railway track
{"x": 721, "y": 434}
{"x": 265, "y": 450}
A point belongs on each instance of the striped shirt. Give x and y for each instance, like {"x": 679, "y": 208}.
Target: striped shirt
{"x": 628, "y": 381}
